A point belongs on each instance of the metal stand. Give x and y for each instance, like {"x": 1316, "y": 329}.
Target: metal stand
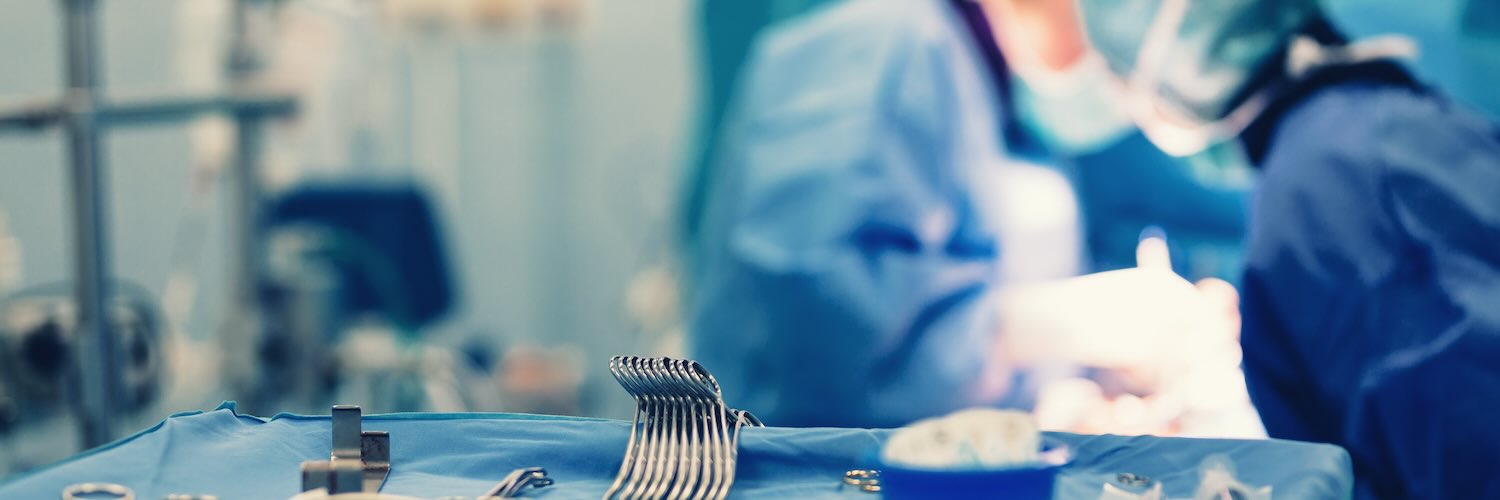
{"x": 98, "y": 360}
{"x": 85, "y": 115}
{"x": 360, "y": 461}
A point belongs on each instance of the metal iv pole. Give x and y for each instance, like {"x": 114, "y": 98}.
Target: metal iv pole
{"x": 98, "y": 359}
{"x": 85, "y": 115}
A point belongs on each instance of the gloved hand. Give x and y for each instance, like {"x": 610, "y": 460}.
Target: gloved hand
{"x": 1143, "y": 321}
{"x": 1171, "y": 344}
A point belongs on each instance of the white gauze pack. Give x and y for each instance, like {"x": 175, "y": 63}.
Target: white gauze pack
{"x": 968, "y": 439}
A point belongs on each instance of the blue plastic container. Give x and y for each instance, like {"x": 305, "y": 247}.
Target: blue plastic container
{"x": 1027, "y": 482}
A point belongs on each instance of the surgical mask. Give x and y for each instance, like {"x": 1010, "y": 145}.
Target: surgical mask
{"x": 1075, "y": 110}
{"x": 1180, "y": 131}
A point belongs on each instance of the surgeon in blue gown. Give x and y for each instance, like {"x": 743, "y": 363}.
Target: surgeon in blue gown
{"x": 1371, "y": 297}
{"x": 839, "y": 280}
{"x": 847, "y": 270}
{"x": 1124, "y": 184}
{"x": 726, "y": 29}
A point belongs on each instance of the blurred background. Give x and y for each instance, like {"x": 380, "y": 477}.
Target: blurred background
{"x": 473, "y": 205}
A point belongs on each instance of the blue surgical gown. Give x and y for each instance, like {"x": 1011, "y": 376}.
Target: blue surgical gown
{"x": 1371, "y": 298}
{"x": 726, "y": 30}
{"x": 847, "y": 266}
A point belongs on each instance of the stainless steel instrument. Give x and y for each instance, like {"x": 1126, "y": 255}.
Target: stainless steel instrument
{"x": 517, "y": 481}
{"x": 360, "y": 461}
{"x": 684, "y": 440}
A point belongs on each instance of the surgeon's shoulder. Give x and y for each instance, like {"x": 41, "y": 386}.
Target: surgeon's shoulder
{"x": 852, "y": 38}
{"x": 1372, "y": 152}
{"x": 860, "y": 22}
{"x": 1321, "y": 183}
{"x": 1325, "y": 144}
{"x": 1365, "y": 129}
{"x": 1424, "y": 131}
{"x": 1442, "y": 174}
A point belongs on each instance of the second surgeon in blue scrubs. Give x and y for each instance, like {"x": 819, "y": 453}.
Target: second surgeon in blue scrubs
{"x": 1371, "y": 298}
{"x": 848, "y": 268}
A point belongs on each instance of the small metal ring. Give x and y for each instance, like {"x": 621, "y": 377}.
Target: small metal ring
{"x": 74, "y": 490}
{"x": 1133, "y": 480}
{"x": 858, "y": 477}
{"x": 867, "y": 480}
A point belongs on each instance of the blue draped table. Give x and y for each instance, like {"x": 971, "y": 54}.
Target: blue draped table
{"x": 238, "y": 456}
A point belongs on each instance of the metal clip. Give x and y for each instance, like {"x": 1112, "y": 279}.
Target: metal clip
{"x": 360, "y": 460}
{"x": 517, "y": 481}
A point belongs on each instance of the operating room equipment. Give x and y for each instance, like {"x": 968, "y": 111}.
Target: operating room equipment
{"x": 360, "y": 460}
{"x": 668, "y": 454}
{"x": 39, "y": 344}
{"x": 346, "y": 262}
{"x": 85, "y": 114}
{"x": 517, "y": 482}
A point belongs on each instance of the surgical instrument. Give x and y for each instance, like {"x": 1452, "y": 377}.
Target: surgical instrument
{"x": 75, "y": 491}
{"x": 683, "y": 439}
{"x": 867, "y": 480}
{"x": 517, "y": 481}
{"x": 360, "y": 460}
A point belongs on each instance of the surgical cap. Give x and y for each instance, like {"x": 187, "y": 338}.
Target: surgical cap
{"x": 1213, "y": 54}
